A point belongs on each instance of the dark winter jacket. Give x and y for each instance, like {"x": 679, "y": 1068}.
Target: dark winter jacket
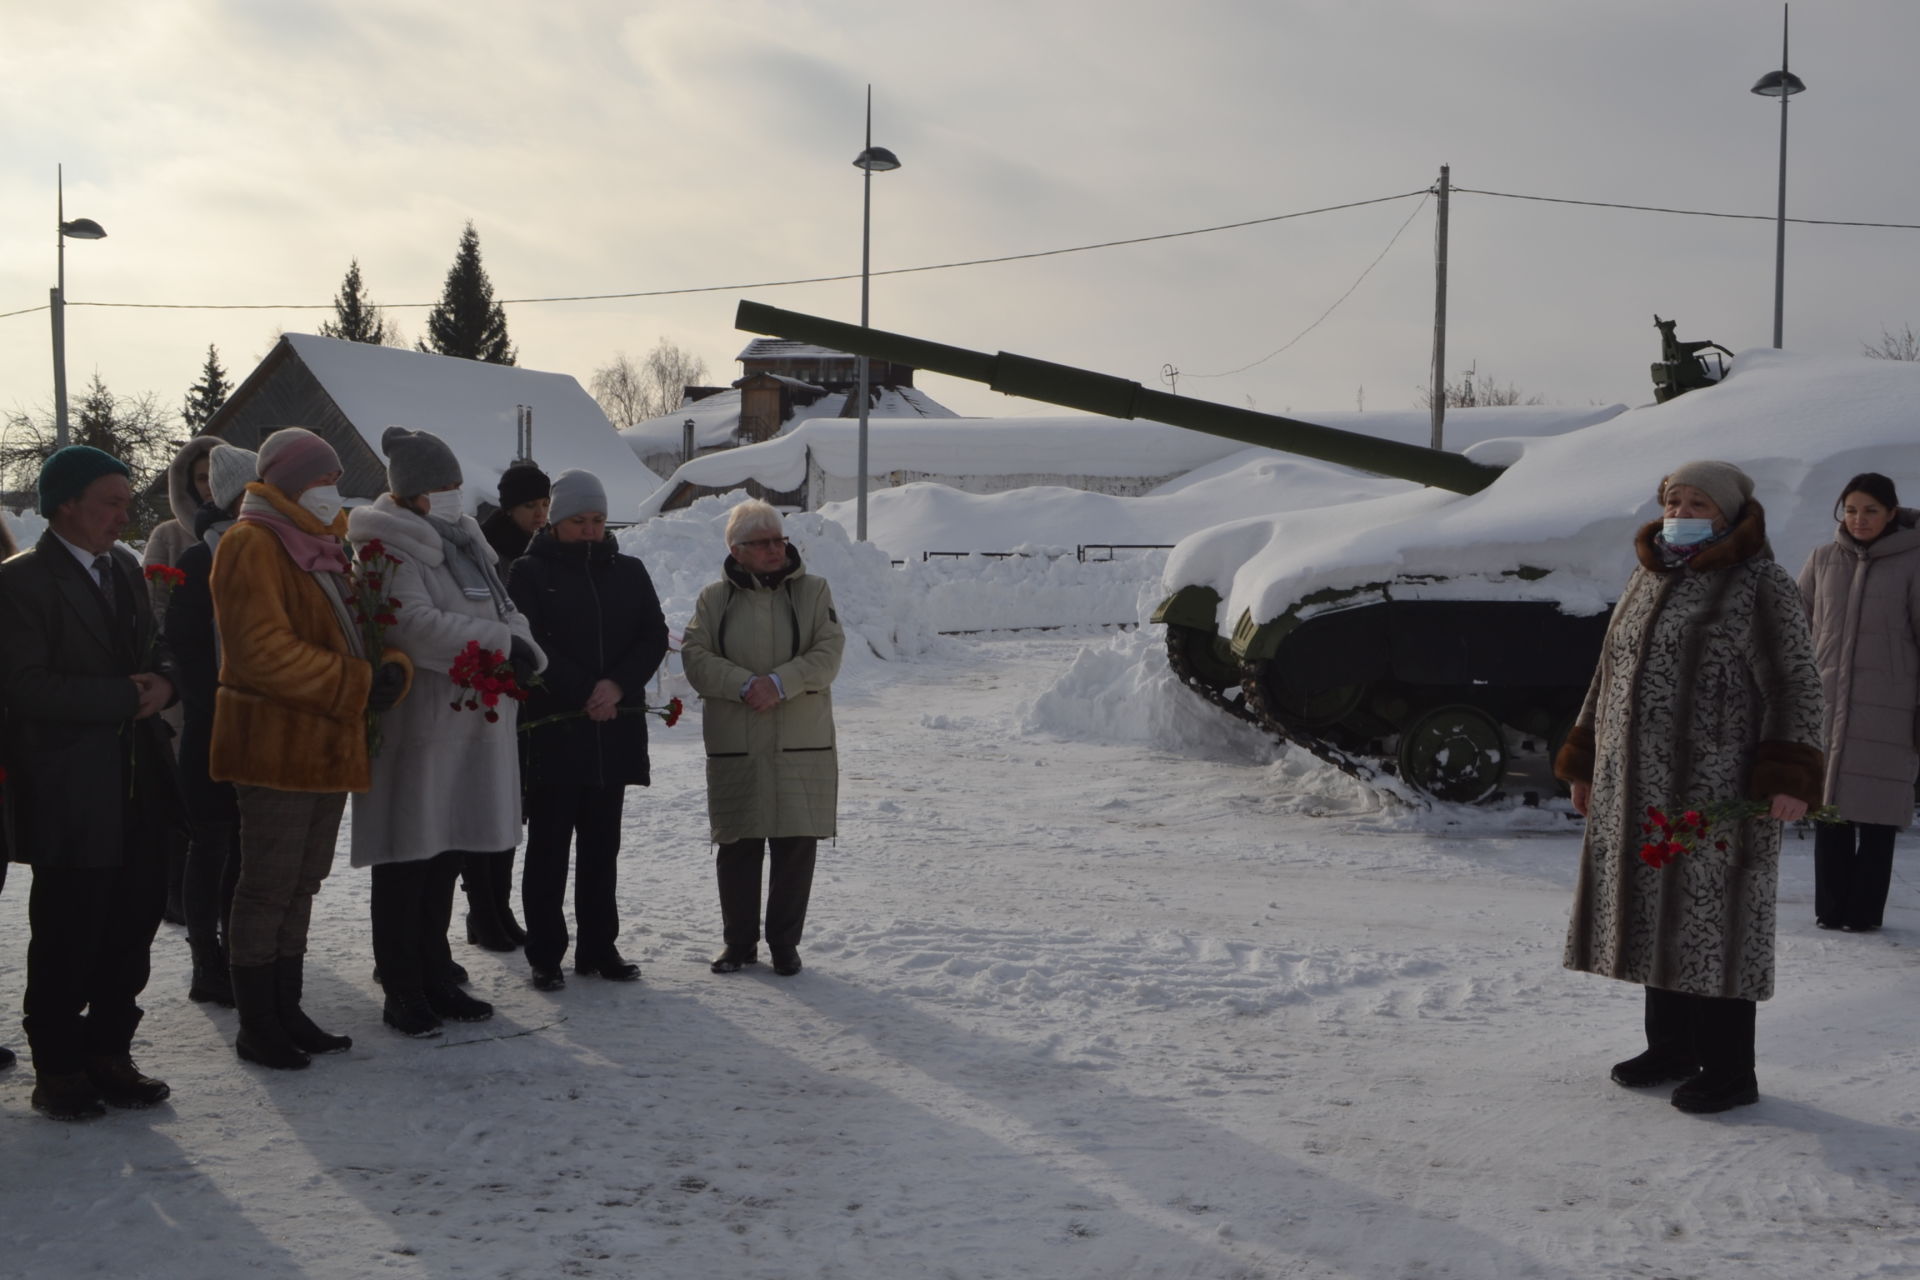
{"x": 508, "y": 540}
{"x": 79, "y": 766}
{"x": 190, "y": 634}
{"x": 595, "y": 613}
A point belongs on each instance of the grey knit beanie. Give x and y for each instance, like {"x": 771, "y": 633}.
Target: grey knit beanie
{"x": 575, "y": 492}
{"x": 230, "y": 470}
{"x": 1726, "y": 484}
{"x": 418, "y": 462}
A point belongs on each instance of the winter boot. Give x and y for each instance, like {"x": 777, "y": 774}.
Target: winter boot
{"x": 485, "y": 928}
{"x": 262, "y": 1039}
{"x": 450, "y": 1003}
{"x": 289, "y": 981}
{"x": 409, "y": 1014}
{"x": 1670, "y": 1052}
{"x": 211, "y": 982}
{"x": 501, "y": 886}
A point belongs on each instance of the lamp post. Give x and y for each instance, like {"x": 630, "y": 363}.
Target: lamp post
{"x": 1781, "y": 84}
{"x": 870, "y": 161}
{"x": 78, "y": 229}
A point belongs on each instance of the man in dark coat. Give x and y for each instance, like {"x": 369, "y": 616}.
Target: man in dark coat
{"x": 91, "y": 795}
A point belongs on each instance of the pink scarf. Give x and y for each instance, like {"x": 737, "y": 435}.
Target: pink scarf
{"x": 313, "y": 552}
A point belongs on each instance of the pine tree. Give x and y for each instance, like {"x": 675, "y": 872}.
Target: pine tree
{"x": 467, "y": 322}
{"x": 205, "y": 397}
{"x": 356, "y": 319}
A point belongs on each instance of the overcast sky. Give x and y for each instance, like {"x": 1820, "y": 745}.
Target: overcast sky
{"x": 244, "y": 152}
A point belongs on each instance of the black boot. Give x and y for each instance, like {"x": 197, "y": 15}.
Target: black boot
{"x": 1670, "y": 1053}
{"x": 262, "y": 1039}
{"x": 211, "y": 983}
{"x": 408, "y": 1013}
{"x": 1723, "y": 1041}
{"x": 290, "y": 980}
{"x": 450, "y": 1003}
{"x": 485, "y": 929}
{"x": 500, "y": 885}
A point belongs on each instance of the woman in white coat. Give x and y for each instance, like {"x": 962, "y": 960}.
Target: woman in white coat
{"x": 447, "y": 780}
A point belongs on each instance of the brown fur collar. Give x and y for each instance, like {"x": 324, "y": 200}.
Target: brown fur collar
{"x": 1747, "y": 539}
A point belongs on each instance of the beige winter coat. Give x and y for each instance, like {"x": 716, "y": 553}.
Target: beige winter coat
{"x": 1705, "y": 692}
{"x": 769, "y": 773}
{"x": 1864, "y": 606}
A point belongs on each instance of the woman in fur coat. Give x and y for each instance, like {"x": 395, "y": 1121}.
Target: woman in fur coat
{"x": 446, "y": 782}
{"x": 1706, "y": 693}
{"x": 1863, "y": 596}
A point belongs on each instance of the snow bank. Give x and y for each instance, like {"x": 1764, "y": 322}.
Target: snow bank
{"x": 26, "y": 527}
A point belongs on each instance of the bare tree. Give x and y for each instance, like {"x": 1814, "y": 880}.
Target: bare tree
{"x": 134, "y": 429}
{"x": 630, "y": 393}
{"x": 618, "y": 389}
{"x": 1478, "y": 390}
{"x": 1904, "y": 345}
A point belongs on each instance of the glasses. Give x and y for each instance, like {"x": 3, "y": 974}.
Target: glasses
{"x": 763, "y": 544}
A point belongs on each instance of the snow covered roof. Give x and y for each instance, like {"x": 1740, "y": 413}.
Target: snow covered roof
{"x": 782, "y": 349}
{"x": 473, "y": 406}
{"x": 717, "y": 417}
{"x": 1058, "y": 446}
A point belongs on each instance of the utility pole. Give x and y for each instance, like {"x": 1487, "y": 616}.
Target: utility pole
{"x": 1438, "y": 379}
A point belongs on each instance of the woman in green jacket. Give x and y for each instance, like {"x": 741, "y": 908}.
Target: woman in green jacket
{"x": 762, "y": 651}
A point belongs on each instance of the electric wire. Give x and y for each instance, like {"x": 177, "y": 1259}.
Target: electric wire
{"x": 1690, "y": 213}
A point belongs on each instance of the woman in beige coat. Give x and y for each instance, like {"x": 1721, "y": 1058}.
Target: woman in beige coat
{"x": 1863, "y": 598}
{"x": 762, "y": 651}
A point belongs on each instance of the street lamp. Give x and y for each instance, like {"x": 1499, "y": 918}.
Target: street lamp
{"x": 1781, "y": 84}
{"x": 78, "y": 229}
{"x": 870, "y": 161}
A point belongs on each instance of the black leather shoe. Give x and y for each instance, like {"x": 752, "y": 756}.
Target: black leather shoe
{"x": 121, "y": 1084}
{"x": 734, "y": 959}
{"x": 786, "y": 960}
{"x": 1651, "y": 1068}
{"x": 454, "y": 1005}
{"x": 410, "y": 1016}
{"x": 548, "y": 979}
{"x": 7, "y": 1057}
{"x": 1707, "y": 1094}
{"x": 488, "y": 933}
{"x": 67, "y": 1097}
{"x": 612, "y": 967}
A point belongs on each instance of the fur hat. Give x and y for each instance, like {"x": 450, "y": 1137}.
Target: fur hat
{"x": 67, "y": 473}
{"x": 230, "y": 470}
{"x": 292, "y": 458}
{"x": 523, "y": 482}
{"x": 1726, "y": 484}
{"x": 574, "y": 492}
{"x": 418, "y": 462}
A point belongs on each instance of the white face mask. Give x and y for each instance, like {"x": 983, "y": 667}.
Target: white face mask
{"x": 1685, "y": 533}
{"x": 323, "y": 502}
{"x": 448, "y": 506}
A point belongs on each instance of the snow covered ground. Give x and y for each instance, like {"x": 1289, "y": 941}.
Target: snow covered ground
{"x": 1098, "y": 985}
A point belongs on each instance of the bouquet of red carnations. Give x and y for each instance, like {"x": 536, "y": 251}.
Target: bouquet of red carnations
{"x": 486, "y": 677}
{"x": 373, "y": 609}
{"x": 1672, "y": 837}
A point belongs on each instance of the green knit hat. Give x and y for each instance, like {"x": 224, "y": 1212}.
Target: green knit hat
{"x": 70, "y": 470}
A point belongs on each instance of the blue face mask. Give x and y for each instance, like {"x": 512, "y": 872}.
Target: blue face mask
{"x": 1685, "y": 533}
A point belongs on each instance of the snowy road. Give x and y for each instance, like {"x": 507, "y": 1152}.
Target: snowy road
{"x": 1071, "y": 1009}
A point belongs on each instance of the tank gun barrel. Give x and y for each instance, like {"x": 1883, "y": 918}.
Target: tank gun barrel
{"x": 1120, "y": 398}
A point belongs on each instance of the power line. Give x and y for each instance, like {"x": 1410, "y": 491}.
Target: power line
{"x": 1691, "y": 213}
{"x": 758, "y": 284}
{"x": 1330, "y": 310}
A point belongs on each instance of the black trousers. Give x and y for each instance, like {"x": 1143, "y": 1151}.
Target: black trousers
{"x": 90, "y": 953}
{"x": 412, "y": 905}
{"x": 213, "y": 870}
{"x": 587, "y": 819}
{"x": 789, "y": 886}
{"x": 1713, "y": 1032}
{"x": 1852, "y": 869}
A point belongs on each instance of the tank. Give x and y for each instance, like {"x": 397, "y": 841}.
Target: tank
{"x": 1455, "y": 634}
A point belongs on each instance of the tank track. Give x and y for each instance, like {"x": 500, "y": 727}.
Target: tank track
{"x": 1250, "y": 708}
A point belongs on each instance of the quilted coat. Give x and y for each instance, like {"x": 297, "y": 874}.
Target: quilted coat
{"x": 290, "y": 712}
{"x": 1706, "y": 691}
{"x": 771, "y": 773}
{"x": 444, "y": 779}
{"x": 1864, "y": 606}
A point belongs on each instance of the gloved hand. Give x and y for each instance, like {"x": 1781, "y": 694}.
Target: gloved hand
{"x": 389, "y": 679}
{"x": 521, "y": 658}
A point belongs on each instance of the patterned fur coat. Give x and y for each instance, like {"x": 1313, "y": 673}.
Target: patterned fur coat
{"x": 1706, "y": 691}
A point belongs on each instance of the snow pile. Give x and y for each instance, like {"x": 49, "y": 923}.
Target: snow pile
{"x": 25, "y": 526}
